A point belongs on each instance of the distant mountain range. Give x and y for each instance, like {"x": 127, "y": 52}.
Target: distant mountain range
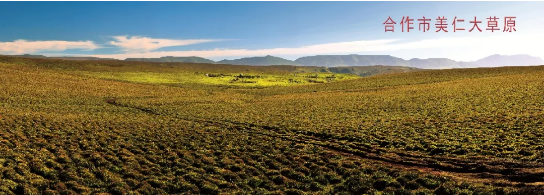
{"x": 501, "y": 60}
{"x": 260, "y": 61}
{"x": 342, "y": 61}
{"x": 191, "y": 59}
{"x": 350, "y": 60}
{"x": 430, "y": 63}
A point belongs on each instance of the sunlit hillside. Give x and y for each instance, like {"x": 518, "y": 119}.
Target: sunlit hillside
{"x": 84, "y": 127}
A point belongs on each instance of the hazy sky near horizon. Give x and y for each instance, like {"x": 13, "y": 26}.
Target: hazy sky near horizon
{"x": 227, "y": 30}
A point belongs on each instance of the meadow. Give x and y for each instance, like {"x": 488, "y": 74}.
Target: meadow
{"x": 108, "y": 127}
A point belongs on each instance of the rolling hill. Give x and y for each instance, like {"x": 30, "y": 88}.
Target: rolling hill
{"x": 119, "y": 127}
{"x": 350, "y": 60}
{"x": 364, "y": 71}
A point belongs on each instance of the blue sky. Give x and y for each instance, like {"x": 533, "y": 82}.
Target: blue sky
{"x": 227, "y": 30}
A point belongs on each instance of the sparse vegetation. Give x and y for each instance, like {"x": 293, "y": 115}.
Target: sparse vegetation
{"x": 91, "y": 127}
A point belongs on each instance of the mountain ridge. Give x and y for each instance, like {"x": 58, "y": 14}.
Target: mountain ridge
{"x": 428, "y": 63}
{"x": 190, "y": 59}
{"x": 260, "y": 61}
{"x": 340, "y": 61}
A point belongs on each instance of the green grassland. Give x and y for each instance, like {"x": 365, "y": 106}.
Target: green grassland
{"x": 208, "y": 74}
{"x": 238, "y": 79}
{"x": 91, "y": 127}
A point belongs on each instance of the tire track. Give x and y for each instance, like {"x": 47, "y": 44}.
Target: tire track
{"x": 485, "y": 169}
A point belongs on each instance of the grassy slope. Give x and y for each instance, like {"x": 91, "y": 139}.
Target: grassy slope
{"x": 71, "y": 133}
{"x": 189, "y": 73}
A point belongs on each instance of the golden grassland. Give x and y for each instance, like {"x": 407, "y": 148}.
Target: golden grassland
{"x": 70, "y": 128}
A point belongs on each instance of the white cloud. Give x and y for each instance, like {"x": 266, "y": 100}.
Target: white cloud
{"x": 144, "y": 44}
{"x": 24, "y": 46}
{"x": 307, "y": 50}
